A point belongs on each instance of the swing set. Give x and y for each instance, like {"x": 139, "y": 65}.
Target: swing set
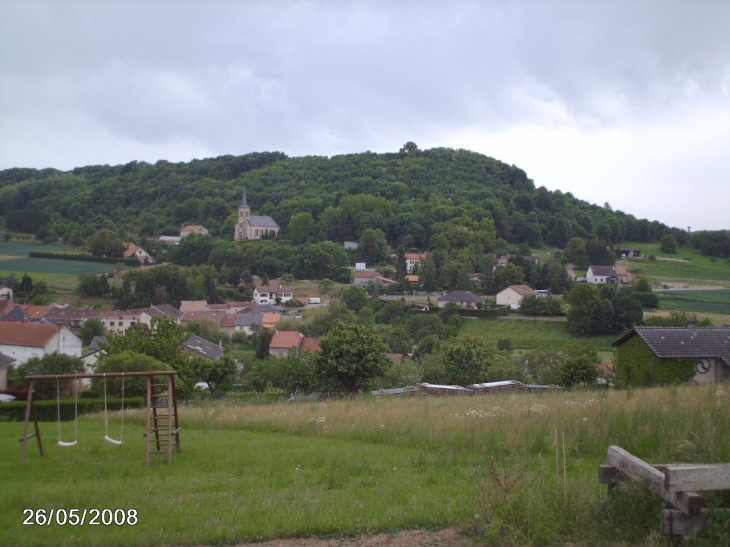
{"x": 163, "y": 429}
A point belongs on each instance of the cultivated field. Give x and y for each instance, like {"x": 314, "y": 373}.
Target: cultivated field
{"x": 51, "y": 266}
{"x": 346, "y": 467}
{"x": 18, "y": 248}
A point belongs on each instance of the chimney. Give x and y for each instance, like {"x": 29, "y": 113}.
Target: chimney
{"x": 692, "y": 321}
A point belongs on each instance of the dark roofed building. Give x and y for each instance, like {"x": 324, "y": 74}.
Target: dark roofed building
{"x": 660, "y": 355}
{"x": 201, "y": 346}
{"x": 465, "y": 299}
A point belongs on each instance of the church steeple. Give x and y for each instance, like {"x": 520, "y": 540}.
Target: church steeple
{"x": 244, "y": 201}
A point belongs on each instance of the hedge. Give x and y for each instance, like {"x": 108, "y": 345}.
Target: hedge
{"x": 47, "y": 411}
{"x": 490, "y": 313}
{"x": 86, "y": 258}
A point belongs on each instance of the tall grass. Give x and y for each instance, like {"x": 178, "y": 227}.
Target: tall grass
{"x": 486, "y": 463}
{"x": 667, "y": 424}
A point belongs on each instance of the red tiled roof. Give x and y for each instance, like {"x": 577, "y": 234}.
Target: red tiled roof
{"x": 286, "y": 339}
{"x": 26, "y": 334}
{"x": 229, "y": 320}
{"x": 522, "y": 289}
{"x": 395, "y": 357}
{"x": 36, "y": 312}
{"x": 310, "y": 344}
{"x": 415, "y": 256}
{"x": 271, "y": 289}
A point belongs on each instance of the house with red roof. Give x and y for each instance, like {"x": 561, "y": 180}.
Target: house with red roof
{"x": 23, "y": 341}
{"x": 285, "y": 341}
{"x": 512, "y": 295}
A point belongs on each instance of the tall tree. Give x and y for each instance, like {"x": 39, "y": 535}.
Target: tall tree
{"x": 351, "y": 354}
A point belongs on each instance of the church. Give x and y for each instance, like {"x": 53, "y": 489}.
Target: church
{"x": 253, "y": 227}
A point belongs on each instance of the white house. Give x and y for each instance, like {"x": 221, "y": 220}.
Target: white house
{"x": 23, "y": 341}
{"x": 601, "y": 274}
{"x": 6, "y": 293}
{"x": 413, "y": 260}
{"x": 135, "y": 251}
{"x": 268, "y": 295}
{"x": 512, "y": 295}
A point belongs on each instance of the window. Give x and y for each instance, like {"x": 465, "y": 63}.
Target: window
{"x": 111, "y": 323}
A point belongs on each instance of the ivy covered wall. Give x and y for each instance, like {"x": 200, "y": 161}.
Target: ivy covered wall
{"x": 636, "y": 365}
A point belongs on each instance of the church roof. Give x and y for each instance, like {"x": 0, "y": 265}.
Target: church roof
{"x": 244, "y": 201}
{"x": 266, "y": 222}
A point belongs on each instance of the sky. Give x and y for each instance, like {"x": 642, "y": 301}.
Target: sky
{"x": 620, "y": 102}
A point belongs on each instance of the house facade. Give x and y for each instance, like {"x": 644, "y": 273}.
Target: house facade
{"x": 512, "y": 296}
{"x": 6, "y": 293}
{"x": 647, "y": 356}
{"x": 601, "y": 274}
{"x": 23, "y": 341}
{"x": 253, "y": 227}
{"x": 363, "y": 279}
{"x": 413, "y": 260}
{"x": 269, "y": 294}
{"x": 135, "y": 251}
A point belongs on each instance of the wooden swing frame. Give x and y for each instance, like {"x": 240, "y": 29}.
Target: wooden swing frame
{"x": 159, "y": 436}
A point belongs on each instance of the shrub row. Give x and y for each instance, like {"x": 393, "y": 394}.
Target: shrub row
{"x": 47, "y": 411}
{"x": 86, "y": 258}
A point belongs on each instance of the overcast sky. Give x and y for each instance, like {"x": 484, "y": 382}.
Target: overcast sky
{"x": 619, "y": 102}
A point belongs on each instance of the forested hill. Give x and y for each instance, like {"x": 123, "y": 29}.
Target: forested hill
{"x": 411, "y": 193}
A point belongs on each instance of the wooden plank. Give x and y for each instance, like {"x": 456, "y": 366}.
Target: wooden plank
{"x": 676, "y": 523}
{"x": 690, "y": 503}
{"x": 698, "y": 478}
{"x": 608, "y": 474}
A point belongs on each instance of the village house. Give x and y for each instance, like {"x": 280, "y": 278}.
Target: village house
{"x": 135, "y": 251}
{"x": 269, "y": 294}
{"x": 414, "y": 260}
{"x": 6, "y": 293}
{"x": 630, "y": 253}
{"x": 245, "y": 321}
{"x": 185, "y": 231}
{"x": 196, "y": 345}
{"x": 648, "y": 356}
{"x": 601, "y": 274}
{"x": 285, "y": 341}
{"x": 512, "y": 296}
{"x": 23, "y": 341}
{"x": 465, "y": 299}
{"x": 253, "y": 227}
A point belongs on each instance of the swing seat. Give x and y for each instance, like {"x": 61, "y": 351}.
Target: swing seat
{"x": 61, "y": 443}
{"x": 113, "y": 441}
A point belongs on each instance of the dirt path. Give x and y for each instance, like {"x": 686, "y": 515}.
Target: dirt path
{"x": 408, "y": 538}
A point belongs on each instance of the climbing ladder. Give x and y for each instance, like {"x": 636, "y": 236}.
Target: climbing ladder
{"x": 163, "y": 429}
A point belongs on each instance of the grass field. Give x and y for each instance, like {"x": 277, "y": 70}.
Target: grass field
{"x": 18, "y": 248}
{"x": 717, "y": 301}
{"x": 345, "y": 467}
{"x": 530, "y": 333}
{"x": 658, "y": 272}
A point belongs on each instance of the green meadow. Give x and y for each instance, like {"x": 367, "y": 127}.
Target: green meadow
{"x": 529, "y": 333}
{"x": 343, "y": 468}
{"x": 51, "y": 266}
{"x": 19, "y": 248}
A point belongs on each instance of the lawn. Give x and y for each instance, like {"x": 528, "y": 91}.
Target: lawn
{"x": 18, "y": 248}
{"x": 527, "y": 333}
{"x": 345, "y": 467}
